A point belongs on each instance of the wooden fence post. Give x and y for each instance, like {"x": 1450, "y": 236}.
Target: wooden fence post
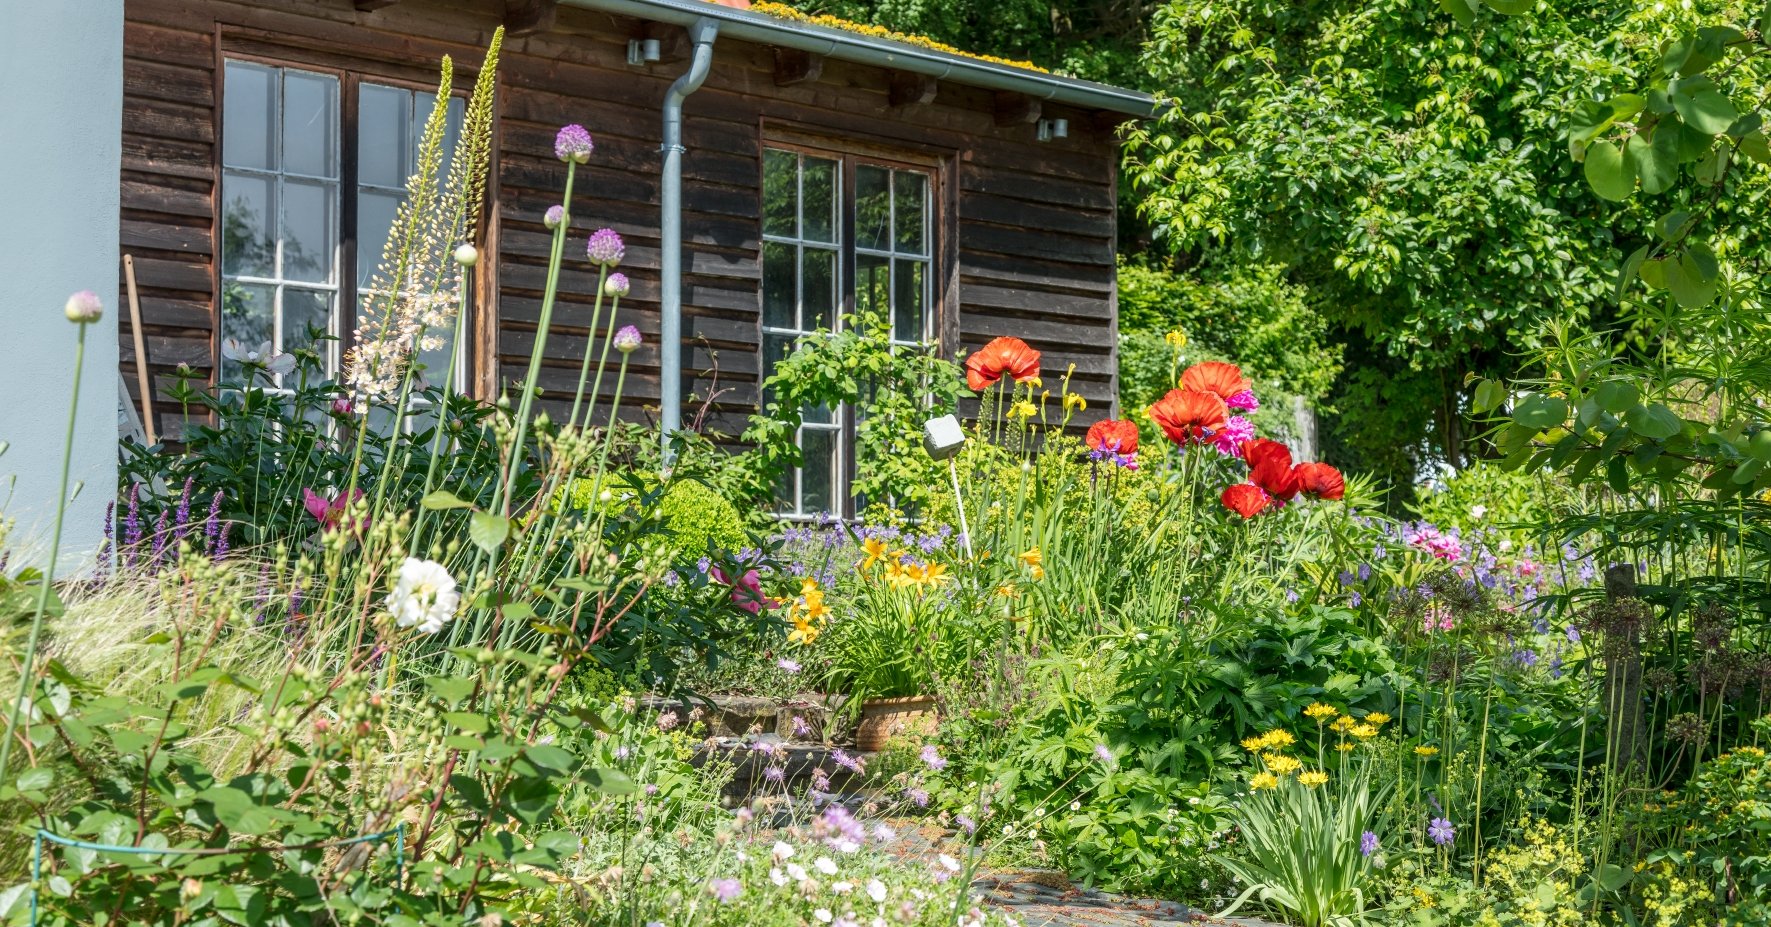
{"x": 1623, "y": 676}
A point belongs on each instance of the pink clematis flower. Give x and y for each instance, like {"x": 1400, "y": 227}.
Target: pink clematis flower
{"x": 329, "y": 512}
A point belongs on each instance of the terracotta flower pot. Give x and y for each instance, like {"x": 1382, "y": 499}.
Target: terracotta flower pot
{"x": 885, "y": 718}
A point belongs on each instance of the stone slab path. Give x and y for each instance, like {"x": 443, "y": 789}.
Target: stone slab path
{"x": 1036, "y": 904}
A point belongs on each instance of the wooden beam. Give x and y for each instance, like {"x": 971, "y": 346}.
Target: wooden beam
{"x": 912, "y": 89}
{"x": 796, "y": 67}
{"x": 529, "y": 17}
{"x": 1013, "y": 109}
{"x": 370, "y": 6}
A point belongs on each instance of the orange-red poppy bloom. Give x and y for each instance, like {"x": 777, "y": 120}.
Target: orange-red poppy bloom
{"x": 1184, "y": 414}
{"x": 1114, "y": 434}
{"x": 1320, "y": 480}
{"x": 1269, "y": 467}
{"x": 1223, "y": 380}
{"x": 1001, "y": 356}
{"x": 1246, "y": 499}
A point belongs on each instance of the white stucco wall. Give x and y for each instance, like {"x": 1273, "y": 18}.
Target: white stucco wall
{"x": 61, "y": 104}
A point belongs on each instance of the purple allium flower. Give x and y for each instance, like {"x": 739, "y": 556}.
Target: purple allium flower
{"x": 618, "y": 286}
{"x": 1368, "y": 843}
{"x": 1243, "y": 401}
{"x": 605, "y": 248}
{"x": 1441, "y": 831}
{"x": 918, "y": 797}
{"x": 84, "y": 307}
{"x": 787, "y": 666}
{"x": 627, "y": 339}
{"x": 573, "y": 144}
{"x": 726, "y": 890}
{"x": 931, "y": 755}
{"x": 1103, "y": 754}
{"x": 554, "y": 217}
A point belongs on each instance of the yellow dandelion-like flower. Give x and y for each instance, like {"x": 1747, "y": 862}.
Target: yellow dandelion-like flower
{"x": 1038, "y": 573}
{"x": 1279, "y": 739}
{"x": 1344, "y": 723}
{"x": 1320, "y": 711}
{"x": 1313, "y": 778}
{"x": 1282, "y": 764}
{"x": 1425, "y": 751}
{"x": 1363, "y": 731}
{"x": 1377, "y": 717}
{"x": 1254, "y": 744}
{"x": 1264, "y": 780}
{"x": 1344, "y": 747}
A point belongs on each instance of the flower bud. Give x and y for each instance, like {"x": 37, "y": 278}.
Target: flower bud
{"x": 556, "y": 214}
{"x": 467, "y": 255}
{"x": 84, "y": 307}
{"x": 617, "y": 285}
{"x": 627, "y": 339}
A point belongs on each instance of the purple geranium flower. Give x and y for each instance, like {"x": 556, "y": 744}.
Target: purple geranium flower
{"x": 1441, "y": 831}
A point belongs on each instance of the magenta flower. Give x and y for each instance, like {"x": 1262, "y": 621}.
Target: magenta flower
{"x": 573, "y": 144}
{"x": 1229, "y": 439}
{"x": 1243, "y": 401}
{"x": 747, "y": 592}
{"x": 605, "y": 248}
{"x": 329, "y": 512}
{"x": 627, "y": 339}
{"x": 555, "y": 215}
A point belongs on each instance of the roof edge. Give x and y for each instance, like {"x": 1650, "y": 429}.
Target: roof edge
{"x": 865, "y": 49}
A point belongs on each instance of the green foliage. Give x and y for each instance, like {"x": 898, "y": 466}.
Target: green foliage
{"x": 1483, "y": 495}
{"x": 1300, "y": 849}
{"x": 1716, "y": 833}
{"x": 699, "y": 520}
{"x": 893, "y": 386}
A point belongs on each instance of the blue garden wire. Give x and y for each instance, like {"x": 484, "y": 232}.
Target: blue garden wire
{"x": 398, "y": 833}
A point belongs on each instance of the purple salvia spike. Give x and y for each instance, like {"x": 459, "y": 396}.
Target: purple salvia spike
{"x": 132, "y": 525}
{"x": 212, "y": 536}
{"x": 160, "y": 537}
{"x": 181, "y": 525}
{"x": 110, "y": 541}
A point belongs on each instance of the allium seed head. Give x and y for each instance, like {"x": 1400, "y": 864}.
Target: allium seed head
{"x": 573, "y": 144}
{"x": 605, "y": 248}
{"x": 84, "y": 307}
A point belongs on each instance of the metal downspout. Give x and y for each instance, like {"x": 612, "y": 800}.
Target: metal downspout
{"x": 702, "y": 33}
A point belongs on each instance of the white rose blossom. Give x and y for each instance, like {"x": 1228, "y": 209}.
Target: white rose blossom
{"x": 424, "y": 596}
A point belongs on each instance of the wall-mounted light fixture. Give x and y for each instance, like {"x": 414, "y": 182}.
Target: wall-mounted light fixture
{"x": 1053, "y": 128}
{"x": 642, "y": 51}
{"x": 944, "y": 438}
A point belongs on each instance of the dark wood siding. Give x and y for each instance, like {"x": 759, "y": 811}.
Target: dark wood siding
{"x": 1027, "y": 243}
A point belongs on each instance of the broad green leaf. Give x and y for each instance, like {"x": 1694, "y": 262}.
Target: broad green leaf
{"x": 1617, "y": 474}
{"x": 36, "y": 778}
{"x": 1654, "y": 162}
{"x": 488, "y": 531}
{"x": 1615, "y": 396}
{"x": 1607, "y": 173}
{"x": 451, "y": 689}
{"x": 1489, "y": 394}
{"x": 1686, "y": 280}
{"x": 1673, "y": 226}
{"x": 1510, "y": 7}
{"x": 1704, "y": 108}
{"x": 609, "y": 781}
{"x": 1755, "y": 147}
{"x": 1612, "y": 877}
{"x": 443, "y": 499}
{"x": 1655, "y": 422}
{"x": 1460, "y": 10}
{"x": 1748, "y": 471}
{"x": 1632, "y": 266}
{"x": 1540, "y": 412}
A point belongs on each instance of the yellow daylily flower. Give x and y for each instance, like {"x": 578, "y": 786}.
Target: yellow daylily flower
{"x": 875, "y": 550}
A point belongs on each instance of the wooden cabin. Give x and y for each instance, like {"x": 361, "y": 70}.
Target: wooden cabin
{"x": 265, "y": 144}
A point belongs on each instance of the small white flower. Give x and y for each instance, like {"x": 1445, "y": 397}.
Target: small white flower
{"x": 949, "y": 863}
{"x": 424, "y": 596}
{"x": 825, "y": 865}
{"x": 876, "y": 890}
{"x": 782, "y": 850}
{"x": 1477, "y": 511}
{"x": 823, "y": 915}
{"x": 842, "y": 888}
{"x": 778, "y": 877}
{"x": 796, "y": 872}
{"x": 1076, "y": 806}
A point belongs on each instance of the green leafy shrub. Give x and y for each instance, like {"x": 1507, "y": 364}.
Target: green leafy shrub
{"x": 700, "y": 521}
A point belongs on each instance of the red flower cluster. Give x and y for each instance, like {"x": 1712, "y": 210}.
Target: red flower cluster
{"x": 1189, "y": 416}
{"x": 1273, "y": 480}
{"x": 1010, "y": 356}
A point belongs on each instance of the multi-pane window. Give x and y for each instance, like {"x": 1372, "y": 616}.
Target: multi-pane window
{"x": 302, "y": 177}
{"x": 839, "y": 231}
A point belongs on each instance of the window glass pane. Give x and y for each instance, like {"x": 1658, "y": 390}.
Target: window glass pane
{"x": 308, "y": 236}
{"x": 375, "y": 216}
{"x": 778, "y": 285}
{"x": 248, "y": 225}
{"x": 817, "y": 289}
{"x": 248, "y": 137}
{"x": 785, "y": 504}
{"x": 310, "y": 124}
{"x": 819, "y": 206}
{"x": 873, "y": 289}
{"x": 247, "y": 311}
{"x": 911, "y": 190}
{"x": 304, "y": 310}
{"x": 818, "y": 476}
{"x": 780, "y": 193}
{"x": 907, "y": 302}
{"x": 775, "y": 348}
{"x": 873, "y": 208}
{"x": 383, "y": 133}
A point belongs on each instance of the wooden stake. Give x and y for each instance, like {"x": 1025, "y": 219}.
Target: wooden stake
{"x": 142, "y": 380}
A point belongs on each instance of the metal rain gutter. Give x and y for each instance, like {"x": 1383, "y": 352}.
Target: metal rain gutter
{"x": 702, "y": 33}
{"x": 863, "y": 49}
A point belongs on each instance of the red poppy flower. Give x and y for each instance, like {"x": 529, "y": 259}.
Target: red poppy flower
{"x": 1269, "y": 467}
{"x": 1114, "y": 434}
{"x": 1320, "y": 480}
{"x": 1183, "y": 415}
{"x": 1009, "y": 356}
{"x": 1246, "y": 499}
{"x": 1223, "y": 380}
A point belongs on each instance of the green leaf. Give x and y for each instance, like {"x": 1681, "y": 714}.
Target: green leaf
{"x": 1687, "y": 281}
{"x": 1656, "y": 162}
{"x": 1617, "y": 473}
{"x": 1489, "y": 394}
{"x": 488, "y": 531}
{"x": 1632, "y": 266}
{"x": 1540, "y": 412}
{"x": 1704, "y": 108}
{"x": 1461, "y": 10}
{"x": 443, "y": 499}
{"x": 1615, "y": 396}
{"x": 1755, "y": 147}
{"x": 451, "y": 689}
{"x": 608, "y": 781}
{"x": 1607, "y": 173}
{"x": 1655, "y": 422}
{"x": 1748, "y": 471}
{"x": 36, "y": 779}
{"x": 1612, "y": 877}
{"x": 1510, "y": 7}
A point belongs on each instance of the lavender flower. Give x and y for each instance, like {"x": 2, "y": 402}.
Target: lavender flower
{"x": 212, "y": 527}
{"x": 132, "y": 521}
{"x": 84, "y": 307}
{"x": 1103, "y": 754}
{"x": 618, "y": 286}
{"x": 182, "y": 522}
{"x": 161, "y": 535}
{"x": 852, "y": 764}
{"x": 1368, "y": 843}
{"x": 110, "y": 535}
{"x": 573, "y": 144}
{"x": 1441, "y": 831}
{"x": 605, "y": 248}
{"x": 787, "y": 666}
{"x": 1573, "y": 634}
{"x": 800, "y": 727}
{"x": 918, "y": 797}
{"x": 627, "y": 339}
{"x": 725, "y": 890}
{"x": 931, "y": 755}
{"x": 775, "y": 774}
{"x": 839, "y": 830}
{"x": 966, "y": 823}
{"x": 554, "y": 217}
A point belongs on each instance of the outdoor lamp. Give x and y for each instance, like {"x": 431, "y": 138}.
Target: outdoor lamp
{"x": 943, "y": 438}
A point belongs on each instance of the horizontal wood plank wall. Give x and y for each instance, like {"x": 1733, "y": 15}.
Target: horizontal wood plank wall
{"x": 1034, "y": 255}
